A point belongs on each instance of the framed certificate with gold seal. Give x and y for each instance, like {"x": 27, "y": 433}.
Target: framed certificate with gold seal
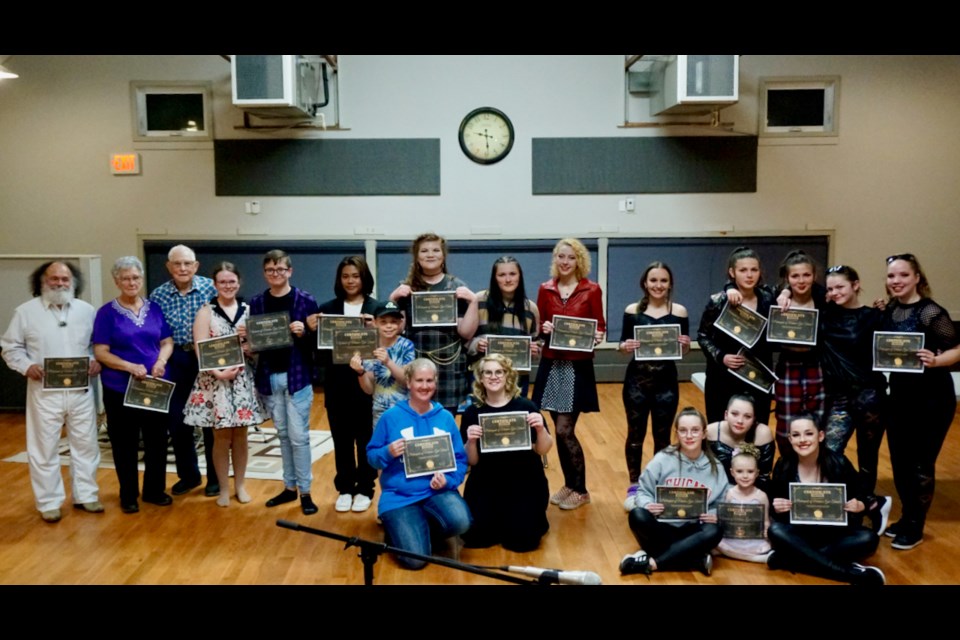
{"x": 66, "y": 373}
{"x": 506, "y": 431}
{"x": 433, "y": 308}
{"x": 657, "y": 342}
{"x": 793, "y": 326}
{"x": 896, "y": 351}
{"x": 754, "y": 372}
{"x": 818, "y": 503}
{"x": 152, "y": 394}
{"x": 741, "y": 323}
{"x": 220, "y": 353}
{"x": 426, "y": 455}
{"x": 573, "y": 334}
{"x": 681, "y": 503}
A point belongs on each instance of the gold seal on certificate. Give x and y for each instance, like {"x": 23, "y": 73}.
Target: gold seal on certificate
{"x": 269, "y": 331}
{"x": 351, "y": 342}
{"x": 742, "y": 521}
{"x": 793, "y": 326}
{"x": 506, "y": 431}
{"x": 66, "y": 373}
{"x": 741, "y": 323}
{"x": 818, "y": 503}
{"x": 152, "y": 394}
{"x": 220, "y": 353}
{"x": 573, "y": 334}
{"x": 329, "y": 323}
{"x": 897, "y": 351}
{"x": 754, "y": 372}
{"x": 427, "y": 455}
{"x": 517, "y": 348}
{"x": 657, "y": 342}
{"x": 681, "y": 503}
{"x": 433, "y": 308}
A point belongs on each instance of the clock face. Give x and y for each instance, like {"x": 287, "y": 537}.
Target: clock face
{"x": 486, "y": 135}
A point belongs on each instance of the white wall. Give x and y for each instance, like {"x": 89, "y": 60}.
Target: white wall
{"x": 888, "y": 185}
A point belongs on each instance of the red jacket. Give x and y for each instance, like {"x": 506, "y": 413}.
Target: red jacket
{"x": 586, "y": 301}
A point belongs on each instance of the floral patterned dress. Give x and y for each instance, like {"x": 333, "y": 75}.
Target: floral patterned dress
{"x": 224, "y": 404}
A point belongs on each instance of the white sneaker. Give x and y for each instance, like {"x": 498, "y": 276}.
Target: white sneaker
{"x": 361, "y": 503}
{"x": 344, "y": 502}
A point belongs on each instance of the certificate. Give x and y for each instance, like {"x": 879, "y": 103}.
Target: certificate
{"x": 152, "y": 394}
{"x": 269, "y": 331}
{"x": 897, "y": 351}
{"x": 682, "y": 503}
{"x": 742, "y": 521}
{"x": 755, "y": 373}
{"x": 351, "y": 342}
{"x": 573, "y": 334}
{"x": 507, "y": 431}
{"x": 434, "y": 308}
{"x": 517, "y": 348}
{"x": 818, "y": 503}
{"x": 657, "y": 342}
{"x": 220, "y": 353}
{"x": 793, "y": 326}
{"x": 66, "y": 373}
{"x": 330, "y": 323}
{"x": 741, "y": 323}
{"x": 426, "y": 455}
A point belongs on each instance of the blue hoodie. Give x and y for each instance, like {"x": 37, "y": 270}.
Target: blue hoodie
{"x": 396, "y": 490}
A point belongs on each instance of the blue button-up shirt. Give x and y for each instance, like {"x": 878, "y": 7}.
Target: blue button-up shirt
{"x": 180, "y": 310}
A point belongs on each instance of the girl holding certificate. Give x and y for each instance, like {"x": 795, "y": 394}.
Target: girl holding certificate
{"x": 922, "y": 405}
{"x": 828, "y": 551}
{"x": 680, "y": 544}
{"x": 566, "y": 385}
{"x": 720, "y": 350}
{"x": 650, "y": 388}
{"x": 418, "y": 510}
{"x": 506, "y": 491}
{"x": 349, "y": 408}
{"x": 504, "y": 310}
{"x": 855, "y": 393}
{"x": 444, "y": 345}
{"x": 225, "y": 399}
{"x": 799, "y": 388}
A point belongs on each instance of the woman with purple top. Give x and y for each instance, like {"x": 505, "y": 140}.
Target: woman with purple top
{"x": 131, "y": 338}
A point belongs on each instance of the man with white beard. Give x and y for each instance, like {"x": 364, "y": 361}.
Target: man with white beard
{"x": 55, "y": 324}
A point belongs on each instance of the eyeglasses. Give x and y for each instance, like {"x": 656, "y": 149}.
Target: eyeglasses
{"x": 499, "y": 373}
{"x": 909, "y": 257}
{"x": 276, "y": 271}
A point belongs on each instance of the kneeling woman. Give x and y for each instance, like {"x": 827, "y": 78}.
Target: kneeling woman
{"x": 416, "y": 510}
{"x": 677, "y": 546}
{"x": 507, "y": 491}
{"x": 820, "y": 550}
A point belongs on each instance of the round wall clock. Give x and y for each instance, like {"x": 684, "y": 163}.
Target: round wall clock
{"x": 486, "y": 135}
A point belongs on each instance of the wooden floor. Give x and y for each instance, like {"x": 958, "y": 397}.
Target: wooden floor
{"x": 195, "y": 542}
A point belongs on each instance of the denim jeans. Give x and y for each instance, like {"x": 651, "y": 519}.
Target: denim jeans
{"x": 291, "y": 417}
{"x": 411, "y": 528}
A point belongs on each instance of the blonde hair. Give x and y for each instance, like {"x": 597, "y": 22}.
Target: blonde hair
{"x": 510, "y": 385}
{"x": 580, "y": 251}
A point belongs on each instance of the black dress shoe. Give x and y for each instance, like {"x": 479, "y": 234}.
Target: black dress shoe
{"x": 183, "y": 486}
{"x": 162, "y": 500}
{"x": 283, "y": 497}
{"x": 133, "y": 507}
{"x": 211, "y": 490}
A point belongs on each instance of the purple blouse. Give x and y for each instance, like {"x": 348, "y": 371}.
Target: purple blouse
{"x": 133, "y": 337}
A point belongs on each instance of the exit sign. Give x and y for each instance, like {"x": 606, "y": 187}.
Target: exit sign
{"x": 125, "y": 164}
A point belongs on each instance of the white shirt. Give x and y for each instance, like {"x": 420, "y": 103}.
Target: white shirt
{"x": 36, "y": 333}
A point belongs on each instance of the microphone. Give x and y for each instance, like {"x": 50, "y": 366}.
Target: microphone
{"x": 287, "y": 524}
{"x": 556, "y": 576}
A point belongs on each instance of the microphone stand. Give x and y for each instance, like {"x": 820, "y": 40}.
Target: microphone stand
{"x": 370, "y": 551}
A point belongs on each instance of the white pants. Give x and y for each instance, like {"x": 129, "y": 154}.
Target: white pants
{"x": 47, "y": 413}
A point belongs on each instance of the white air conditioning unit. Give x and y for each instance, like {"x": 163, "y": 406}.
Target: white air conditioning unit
{"x": 693, "y": 84}
{"x": 279, "y": 86}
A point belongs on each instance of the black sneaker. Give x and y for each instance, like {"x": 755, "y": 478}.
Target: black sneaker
{"x": 866, "y": 576}
{"x": 706, "y": 566}
{"x": 894, "y": 530}
{"x": 638, "y": 562}
{"x": 285, "y": 496}
{"x": 773, "y": 561}
{"x": 907, "y": 540}
{"x": 184, "y": 486}
{"x": 306, "y": 505}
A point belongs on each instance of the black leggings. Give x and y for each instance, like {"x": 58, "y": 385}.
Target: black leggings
{"x": 858, "y": 410}
{"x": 648, "y": 394}
{"x": 819, "y": 550}
{"x": 676, "y": 548}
